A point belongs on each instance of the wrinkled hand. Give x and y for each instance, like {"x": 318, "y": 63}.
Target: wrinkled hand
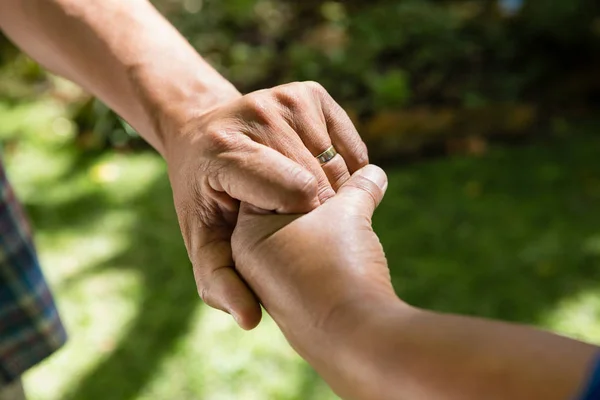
{"x": 259, "y": 149}
{"x": 313, "y": 270}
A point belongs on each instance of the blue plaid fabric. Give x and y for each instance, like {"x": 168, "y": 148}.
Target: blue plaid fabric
{"x": 30, "y": 328}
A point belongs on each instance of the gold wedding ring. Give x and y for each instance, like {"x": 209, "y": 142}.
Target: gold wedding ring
{"x": 327, "y": 155}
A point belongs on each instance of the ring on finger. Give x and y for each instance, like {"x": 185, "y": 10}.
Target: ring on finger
{"x": 327, "y": 155}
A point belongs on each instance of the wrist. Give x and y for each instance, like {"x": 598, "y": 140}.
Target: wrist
{"x": 360, "y": 361}
{"x": 358, "y": 325}
{"x": 170, "y": 104}
{"x": 341, "y": 348}
{"x": 177, "y": 118}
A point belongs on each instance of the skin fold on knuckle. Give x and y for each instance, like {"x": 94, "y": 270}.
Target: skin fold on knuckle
{"x": 361, "y": 153}
{"x": 259, "y": 109}
{"x": 295, "y": 98}
{"x": 296, "y": 105}
{"x": 303, "y": 188}
{"x": 203, "y": 292}
{"x": 200, "y": 277}
{"x": 288, "y": 96}
{"x": 193, "y": 204}
{"x": 339, "y": 172}
{"x": 315, "y": 87}
{"x": 302, "y": 115}
{"x": 208, "y": 270}
{"x": 368, "y": 187}
{"x": 222, "y": 170}
{"x": 192, "y": 211}
{"x": 220, "y": 139}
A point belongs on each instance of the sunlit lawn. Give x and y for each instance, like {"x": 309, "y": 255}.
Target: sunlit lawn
{"x": 513, "y": 235}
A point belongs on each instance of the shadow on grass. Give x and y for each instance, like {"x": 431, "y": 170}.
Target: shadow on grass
{"x": 506, "y": 236}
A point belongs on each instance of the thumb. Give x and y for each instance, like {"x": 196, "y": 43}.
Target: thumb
{"x": 364, "y": 190}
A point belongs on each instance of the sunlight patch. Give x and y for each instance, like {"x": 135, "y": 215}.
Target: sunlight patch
{"x": 123, "y": 178}
{"x": 219, "y": 361}
{"x": 578, "y": 316}
{"x": 67, "y": 254}
{"x": 105, "y": 172}
{"x": 96, "y": 312}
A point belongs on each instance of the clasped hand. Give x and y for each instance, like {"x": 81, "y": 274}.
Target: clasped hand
{"x": 260, "y": 149}
{"x": 316, "y": 272}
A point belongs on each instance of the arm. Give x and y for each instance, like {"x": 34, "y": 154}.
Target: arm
{"x": 408, "y": 353}
{"x": 121, "y": 51}
{"x": 220, "y": 147}
{"x": 328, "y": 288}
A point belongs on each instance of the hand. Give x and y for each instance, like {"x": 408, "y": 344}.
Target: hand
{"x": 324, "y": 279}
{"x": 259, "y": 149}
{"x": 312, "y": 271}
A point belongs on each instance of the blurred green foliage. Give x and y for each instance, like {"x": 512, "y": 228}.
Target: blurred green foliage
{"x": 382, "y": 55}
{"x": 513, "y": 235}
{"x": 429, "y": 51}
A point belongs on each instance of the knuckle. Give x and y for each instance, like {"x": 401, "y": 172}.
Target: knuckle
{"x": 305, "y": 185}
{"x": 339, "y": 174}
{"x": 361, "y": 153}
{"x": 289, "y": 96}
{"x": 192, "y": 208}
{"x": 220, "y": 141}
{"x": 201, "y": 281}
{"x": 315, "y": 86}
{"x": 259, "y": 107}
{"x": 325, "y": 192}
{"x": 203, "y": 293}
{"x": 292, "y": 86}
{"x": 207, "y": 296}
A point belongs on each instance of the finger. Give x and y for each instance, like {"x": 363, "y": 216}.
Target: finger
{"x": 342, "y": 131}
{"x": 365, "y": 189}
{"x": 336, "y": 172}
{"x": 315, "y": 138}
{"x": 305, "y": 118}
{"x": 218, "y": 283}
{"x": 288, "y": 141}
{"x": 266, "y": 179}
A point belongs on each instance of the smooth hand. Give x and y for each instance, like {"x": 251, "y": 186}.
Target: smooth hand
{"x": 259, "y": 149}
{"x": 323, "y": 278}
{"x": 312, "y": 271}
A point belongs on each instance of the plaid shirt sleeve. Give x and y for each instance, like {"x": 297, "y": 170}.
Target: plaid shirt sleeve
{"x": 30, "y": 328}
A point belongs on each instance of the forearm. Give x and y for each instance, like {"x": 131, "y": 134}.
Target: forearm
{"x": 125, "y": 53}
{"x": 399, "y": 352}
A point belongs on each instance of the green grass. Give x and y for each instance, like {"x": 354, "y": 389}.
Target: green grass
{"x": 514, "y": 235}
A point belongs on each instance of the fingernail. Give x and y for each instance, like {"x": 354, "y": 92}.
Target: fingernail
{"x": 375, "y": 175}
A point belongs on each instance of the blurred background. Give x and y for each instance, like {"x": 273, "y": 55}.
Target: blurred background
{"x": 483, "y": 113}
